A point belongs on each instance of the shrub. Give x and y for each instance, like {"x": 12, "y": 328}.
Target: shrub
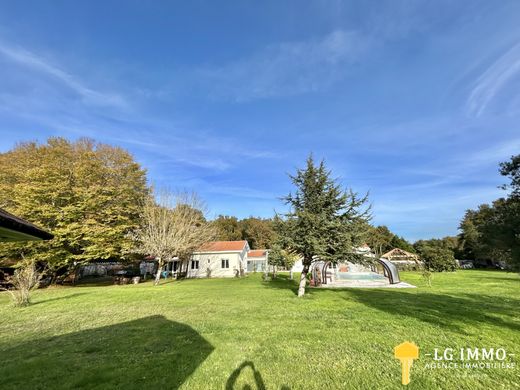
{"x": 438, "y": 259}
{"x": 427, "y": 276}
{"x": 25, "y": 279}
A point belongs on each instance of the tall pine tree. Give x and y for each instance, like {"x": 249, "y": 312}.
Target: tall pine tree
{"x": 324, "y": 222}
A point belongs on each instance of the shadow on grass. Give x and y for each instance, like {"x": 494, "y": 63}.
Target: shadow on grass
{"x": 247, "y": 377}
{"x": 59, "y": 298}
{"x": 99, "y": 281}
{"x": 231, "y": 383}
{"x": 152, "y": 352}
{"x": 283, "y": 282}
{"x": 445, "y": 310}
{"x": 452, "y": 312}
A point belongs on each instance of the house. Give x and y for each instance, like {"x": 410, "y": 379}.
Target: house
{"x": 219, "y": 259}
{"x": 214, "y": 259}
{"x": 257, "y": 260}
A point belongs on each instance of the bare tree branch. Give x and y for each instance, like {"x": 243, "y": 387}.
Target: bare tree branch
{"x": 173, "y": 225}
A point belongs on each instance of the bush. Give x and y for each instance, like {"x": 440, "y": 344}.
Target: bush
{"x": 266, "y": 277}
{"x": 25, "y": 279}
{"x": 407, "y": 267}
{"x": 438, "y": 259}
{"x": 427, "y": 276}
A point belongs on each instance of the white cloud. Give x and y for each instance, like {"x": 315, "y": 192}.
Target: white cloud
{"x": 38, "y": 64}
{"x": 240, "y": 192}
{"x": 286, "y": 69}
{"x": 493, "y": 80}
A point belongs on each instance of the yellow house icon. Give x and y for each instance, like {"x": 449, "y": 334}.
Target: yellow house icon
{"x": 406, "y": 352}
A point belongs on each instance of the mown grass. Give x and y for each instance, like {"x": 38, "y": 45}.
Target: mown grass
{"x": 235, "y": 333}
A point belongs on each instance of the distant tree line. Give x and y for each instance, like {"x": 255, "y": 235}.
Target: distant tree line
{"x": 258, "y": 232}
{"x": 491, "y": 232}
{"x": 92, "y": 197}
{"x": 380, "y": 239}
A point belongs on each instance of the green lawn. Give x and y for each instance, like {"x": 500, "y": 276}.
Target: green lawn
{"x": 200, "y": 334}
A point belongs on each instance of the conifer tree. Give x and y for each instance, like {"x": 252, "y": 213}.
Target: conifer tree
{"x": 324, "y": 221}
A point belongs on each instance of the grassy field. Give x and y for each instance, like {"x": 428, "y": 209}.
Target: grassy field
{"x": 246, "y": 333}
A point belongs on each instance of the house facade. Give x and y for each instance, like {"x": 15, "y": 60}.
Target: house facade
{"x": 219, "y": 259}
{"x": 257, "y": 260}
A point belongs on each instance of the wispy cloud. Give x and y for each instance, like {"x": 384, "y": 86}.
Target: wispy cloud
{"x": 493, "y": 80}
{"x": 39, "y": 64}
{"x": 240, "y": 192}
{"x": 287, "y": 68}
{"x": 43, "y": 97}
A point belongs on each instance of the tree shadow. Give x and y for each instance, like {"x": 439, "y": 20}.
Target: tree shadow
{"x": 448, "y": 311}
{"x": 151, "y": 352}
{"x": 452, "y": 312}
{"x": 283, "y": 282}
{"x": 98, "y": 281}
{"x": 59, "y": 298}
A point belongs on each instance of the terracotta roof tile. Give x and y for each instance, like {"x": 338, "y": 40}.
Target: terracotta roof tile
{"x": 223, "y": 246}
{"x": 256, "y": 253}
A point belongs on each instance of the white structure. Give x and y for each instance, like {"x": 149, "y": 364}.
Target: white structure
{"x": 298, "y": 266}
{"x": 257, "y": 260}
{"x": 364, "y": 250}
{"x": 219, "y": 259}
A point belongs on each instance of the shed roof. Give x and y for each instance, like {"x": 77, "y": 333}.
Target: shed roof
{"x": 400, "y": 254}
{"x": 257, "y": 253}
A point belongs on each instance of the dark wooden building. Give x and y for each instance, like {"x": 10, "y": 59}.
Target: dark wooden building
{"x": 13, "y": 228}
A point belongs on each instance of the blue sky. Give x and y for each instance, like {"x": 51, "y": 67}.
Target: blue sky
{"x": 417, "y": 102}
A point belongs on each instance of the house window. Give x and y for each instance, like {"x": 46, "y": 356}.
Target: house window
{"x": 225, "y": 263}
{"x": 194, "y": 264}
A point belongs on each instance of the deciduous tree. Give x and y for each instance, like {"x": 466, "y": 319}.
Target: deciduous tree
{"x": 86, "y": 193}
{"x": 172, "y": 225}
{"x": 492, "y": 232}
{"x": 258, "y": 232}
{"x": 227, "y": 228}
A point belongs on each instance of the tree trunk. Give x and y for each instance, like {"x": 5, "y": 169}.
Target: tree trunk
{"x": 291, "y": 274}
{"x": 303, "y": 280}
{"x": 159, "y": 270}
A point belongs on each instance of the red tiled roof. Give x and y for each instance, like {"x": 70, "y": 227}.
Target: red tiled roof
{"x": 223, "y": 246}
{"x": 257, "y": 253}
